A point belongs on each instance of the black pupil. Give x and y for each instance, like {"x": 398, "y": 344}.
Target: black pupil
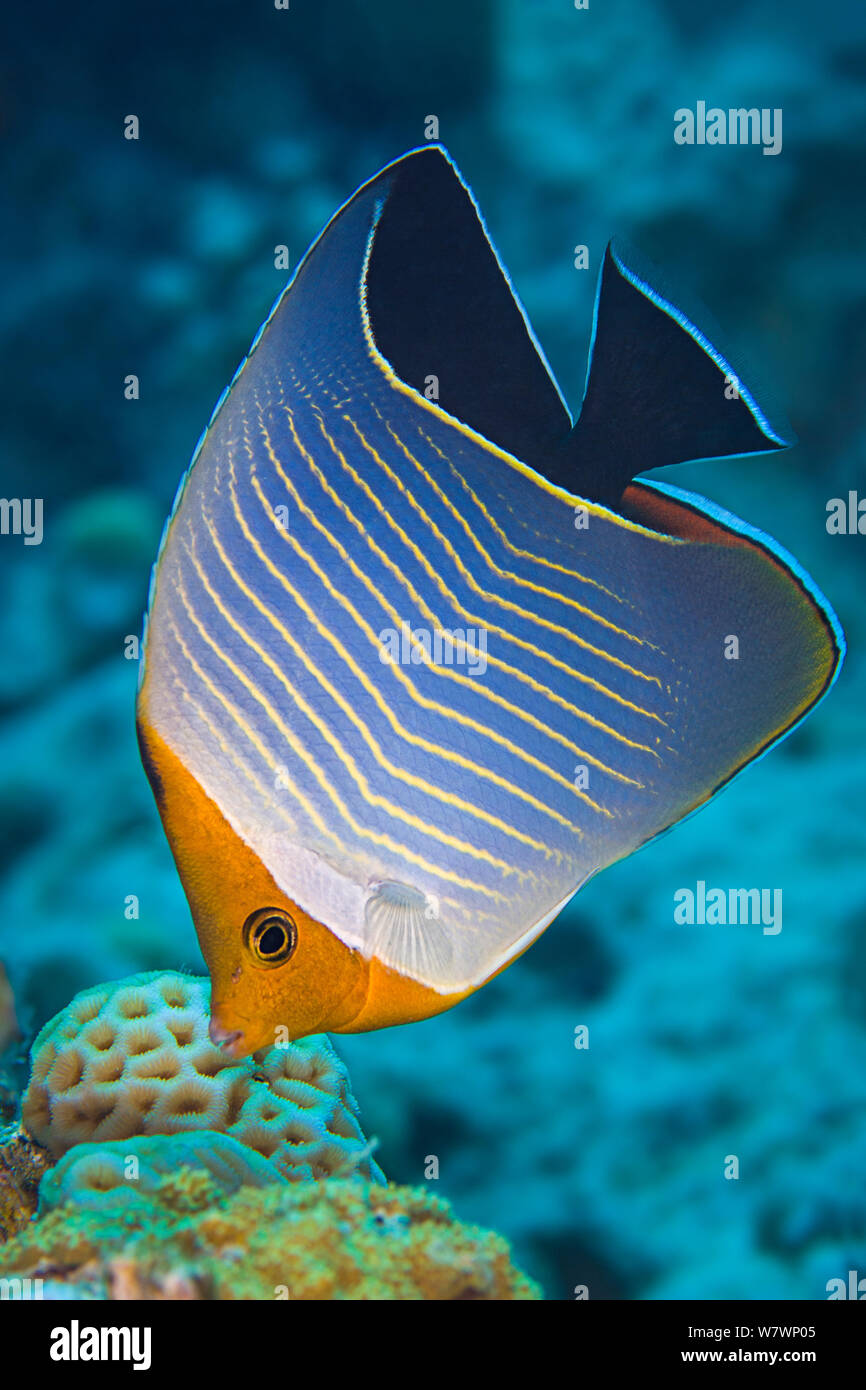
{"x": 272, "y": 939}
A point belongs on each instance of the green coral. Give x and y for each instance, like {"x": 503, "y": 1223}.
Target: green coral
{"x": 128, "y": 1172}
{"x": 338, "y": 1240}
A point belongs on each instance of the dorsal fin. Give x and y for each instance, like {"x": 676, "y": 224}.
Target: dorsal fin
{"x": 440, "y": 304}
{"x": 656, "y": 386}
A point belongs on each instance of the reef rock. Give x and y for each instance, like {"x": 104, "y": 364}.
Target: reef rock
{"x": 22, "y": 1164}
{"x": 336, "y": 1240}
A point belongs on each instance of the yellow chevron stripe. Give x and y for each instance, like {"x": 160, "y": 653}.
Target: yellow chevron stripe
{"x": 249, "y": 732}
{"x": 435, "y": 621}
{"x": 515, "y": 550}
{"x": 519, "y": 675}
{"x": 509, "y": 575}
{"x": 444, "y": 672}
{"x": 398, "y": 773}
{"x": 501, "y": 535}
{"x": 416, "y": 739}
{"x": 516, "y": 578}
{"x": 371, "y": 797}
{"x": 225, "y": 747}
{"x": 384, "y": 841}
{"x": 495, "y": 598}
{"x": 443, "y": 710}
{"x": 455, "y": 603}
{"x": 549, "y": 538}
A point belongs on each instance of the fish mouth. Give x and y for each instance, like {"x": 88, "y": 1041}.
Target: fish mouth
{"x": 229, "y": 1042}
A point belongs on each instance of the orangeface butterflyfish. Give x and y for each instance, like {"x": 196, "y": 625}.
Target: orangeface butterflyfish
{"x": 421, "y": 654}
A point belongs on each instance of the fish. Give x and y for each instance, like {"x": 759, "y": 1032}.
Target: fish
{"x": 423, "y": 652}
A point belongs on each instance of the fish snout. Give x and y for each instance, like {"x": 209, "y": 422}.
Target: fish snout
{"x": 228, "y": 1041}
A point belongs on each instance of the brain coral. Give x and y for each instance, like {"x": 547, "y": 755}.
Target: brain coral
{"x": 302, "y": 1241}
{"x": 95, "y": 1174}
{"x": 133, "y": 1057}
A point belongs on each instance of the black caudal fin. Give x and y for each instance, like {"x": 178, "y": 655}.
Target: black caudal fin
{"x": 660, "y": 387}
{"x": 440, "y": 305}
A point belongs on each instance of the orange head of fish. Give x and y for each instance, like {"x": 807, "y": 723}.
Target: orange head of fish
{"x": 276, "y": 972}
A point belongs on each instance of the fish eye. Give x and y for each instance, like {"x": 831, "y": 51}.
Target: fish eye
{"x": 270, "y": 936}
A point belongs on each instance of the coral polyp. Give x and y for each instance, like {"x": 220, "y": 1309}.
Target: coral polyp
{"x": 134, "y": 1058}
